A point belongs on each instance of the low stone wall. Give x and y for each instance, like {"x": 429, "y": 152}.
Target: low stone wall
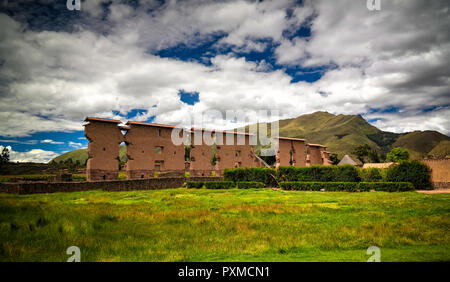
{"x": 112, "y": 185}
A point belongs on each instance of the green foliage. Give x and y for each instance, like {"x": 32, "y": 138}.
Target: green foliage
{"x": 386, "y": 186}
{"x": 219, "y": 184}
{"x": 317, "y": 186}
{"x": 79, "y": 177}
{"x": 187, "y": 153}
{"x": 415, "y": 172}
{"x": 187, "y": 174}
{"x": 334, "y": 159}
{"x": 249, "y": 184}
{"x": 365, "y": 154}
{"x": 195, "y": 184}
{"x": 258, "y": 174}
{"x": 398, "y": 154}
{"x": 4, "y": 156}
{"x": 370, "y": 174}
{"x": 319, "y": 173}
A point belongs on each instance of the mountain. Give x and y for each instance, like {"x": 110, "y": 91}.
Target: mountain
{"x": 341, "y": 134}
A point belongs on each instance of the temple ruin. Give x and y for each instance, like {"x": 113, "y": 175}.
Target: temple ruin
{"x": 150, "y": 150}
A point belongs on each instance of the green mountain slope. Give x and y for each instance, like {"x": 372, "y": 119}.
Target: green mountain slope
{"x": 422, "y": 143}
{"x": 342, "y": 133}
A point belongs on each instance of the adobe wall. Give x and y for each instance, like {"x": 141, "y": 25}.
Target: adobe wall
{"x": 103, "y": 149}
{"x": 143, "y": 157}
{"x": 283, "y": 156}
{"x": 236, "y": 155}
{"x": 315, "y": 155}
{"x": 440, "y": 172}
{"x": 299, "y": 153}
{"x": 200, "y": 156}
{"x": 150, "y": 149}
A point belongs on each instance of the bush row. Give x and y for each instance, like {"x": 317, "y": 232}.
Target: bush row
{"x": 319, "y": 173}
{"x": 317, "y": 186}
{"x": 224, "y": 184}
{"x": 210, "y": 184}
{"x": 250, "y": 184}
{"x": 251, "y": 174}
{"x": 414, "y": 172}
{"x": 347, "y": 186}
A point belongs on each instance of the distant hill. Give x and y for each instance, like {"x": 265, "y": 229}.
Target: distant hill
{"x": 82, "y": 155}
{"x": 341, "y": 134}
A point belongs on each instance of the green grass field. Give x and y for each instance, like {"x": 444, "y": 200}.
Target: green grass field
{"x": 225, "y": 225}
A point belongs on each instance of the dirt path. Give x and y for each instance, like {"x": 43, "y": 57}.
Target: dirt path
{"x": 437, "y": 191}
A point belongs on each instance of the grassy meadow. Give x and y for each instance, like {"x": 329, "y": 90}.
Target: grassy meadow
{"x": 225, "y": 225}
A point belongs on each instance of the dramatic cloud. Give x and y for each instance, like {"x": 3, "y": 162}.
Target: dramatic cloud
{"x": 104, "y": 62}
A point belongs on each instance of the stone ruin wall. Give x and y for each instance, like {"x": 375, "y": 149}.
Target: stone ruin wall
{"x": 150, "y": 149}
{"x": 103, "y": 149}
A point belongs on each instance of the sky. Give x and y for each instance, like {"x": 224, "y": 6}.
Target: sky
{"x": 165, "y": 61}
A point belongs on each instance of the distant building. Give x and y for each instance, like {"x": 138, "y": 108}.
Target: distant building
{"x": 347, "y": 160}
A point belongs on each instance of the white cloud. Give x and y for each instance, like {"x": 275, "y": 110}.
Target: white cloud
{"x": 35, "y": 155}
{"x": 49, "y": 141}
{"x": 75, "y": 145}
{"x": 51, "y": 80}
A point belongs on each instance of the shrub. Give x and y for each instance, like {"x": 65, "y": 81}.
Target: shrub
{"x": 397, "y": 155}
{"x": 370, "y": 174}
{"x": 386, "y": 186}
{"x": 317, "y": 186}
{"x": 194, "y": 184}
{"x": 79, "y": 177}
{"x": 249, "y": 184}
{"x": 319, "y": 173}
{"x": 253, "y": 174}
{"x": 219, "y": 184}
{"x": 37, "y": 177}
{"x": 415, "y": 172}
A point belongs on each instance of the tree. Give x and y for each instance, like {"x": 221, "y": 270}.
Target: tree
{"x": 334, "y": 159}
{"x": 398, "y": 154}
{"x": 365, "y": 154}
{"x": 4, "y": 157}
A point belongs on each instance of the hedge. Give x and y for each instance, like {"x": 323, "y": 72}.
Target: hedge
{"x": 370, "y": 174}
{"x": 251, "y": 174}
{"x": 317, "y": 186}
{"x": 347, "y": 186}
{"x": 417, "y": 173}
{"x": 194, "y": 184}
{"x": 219, "y": 184}
{"x": 386, "y": 186}
{"x": 319, "y": 173}
{"x": 250, "y": 184}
